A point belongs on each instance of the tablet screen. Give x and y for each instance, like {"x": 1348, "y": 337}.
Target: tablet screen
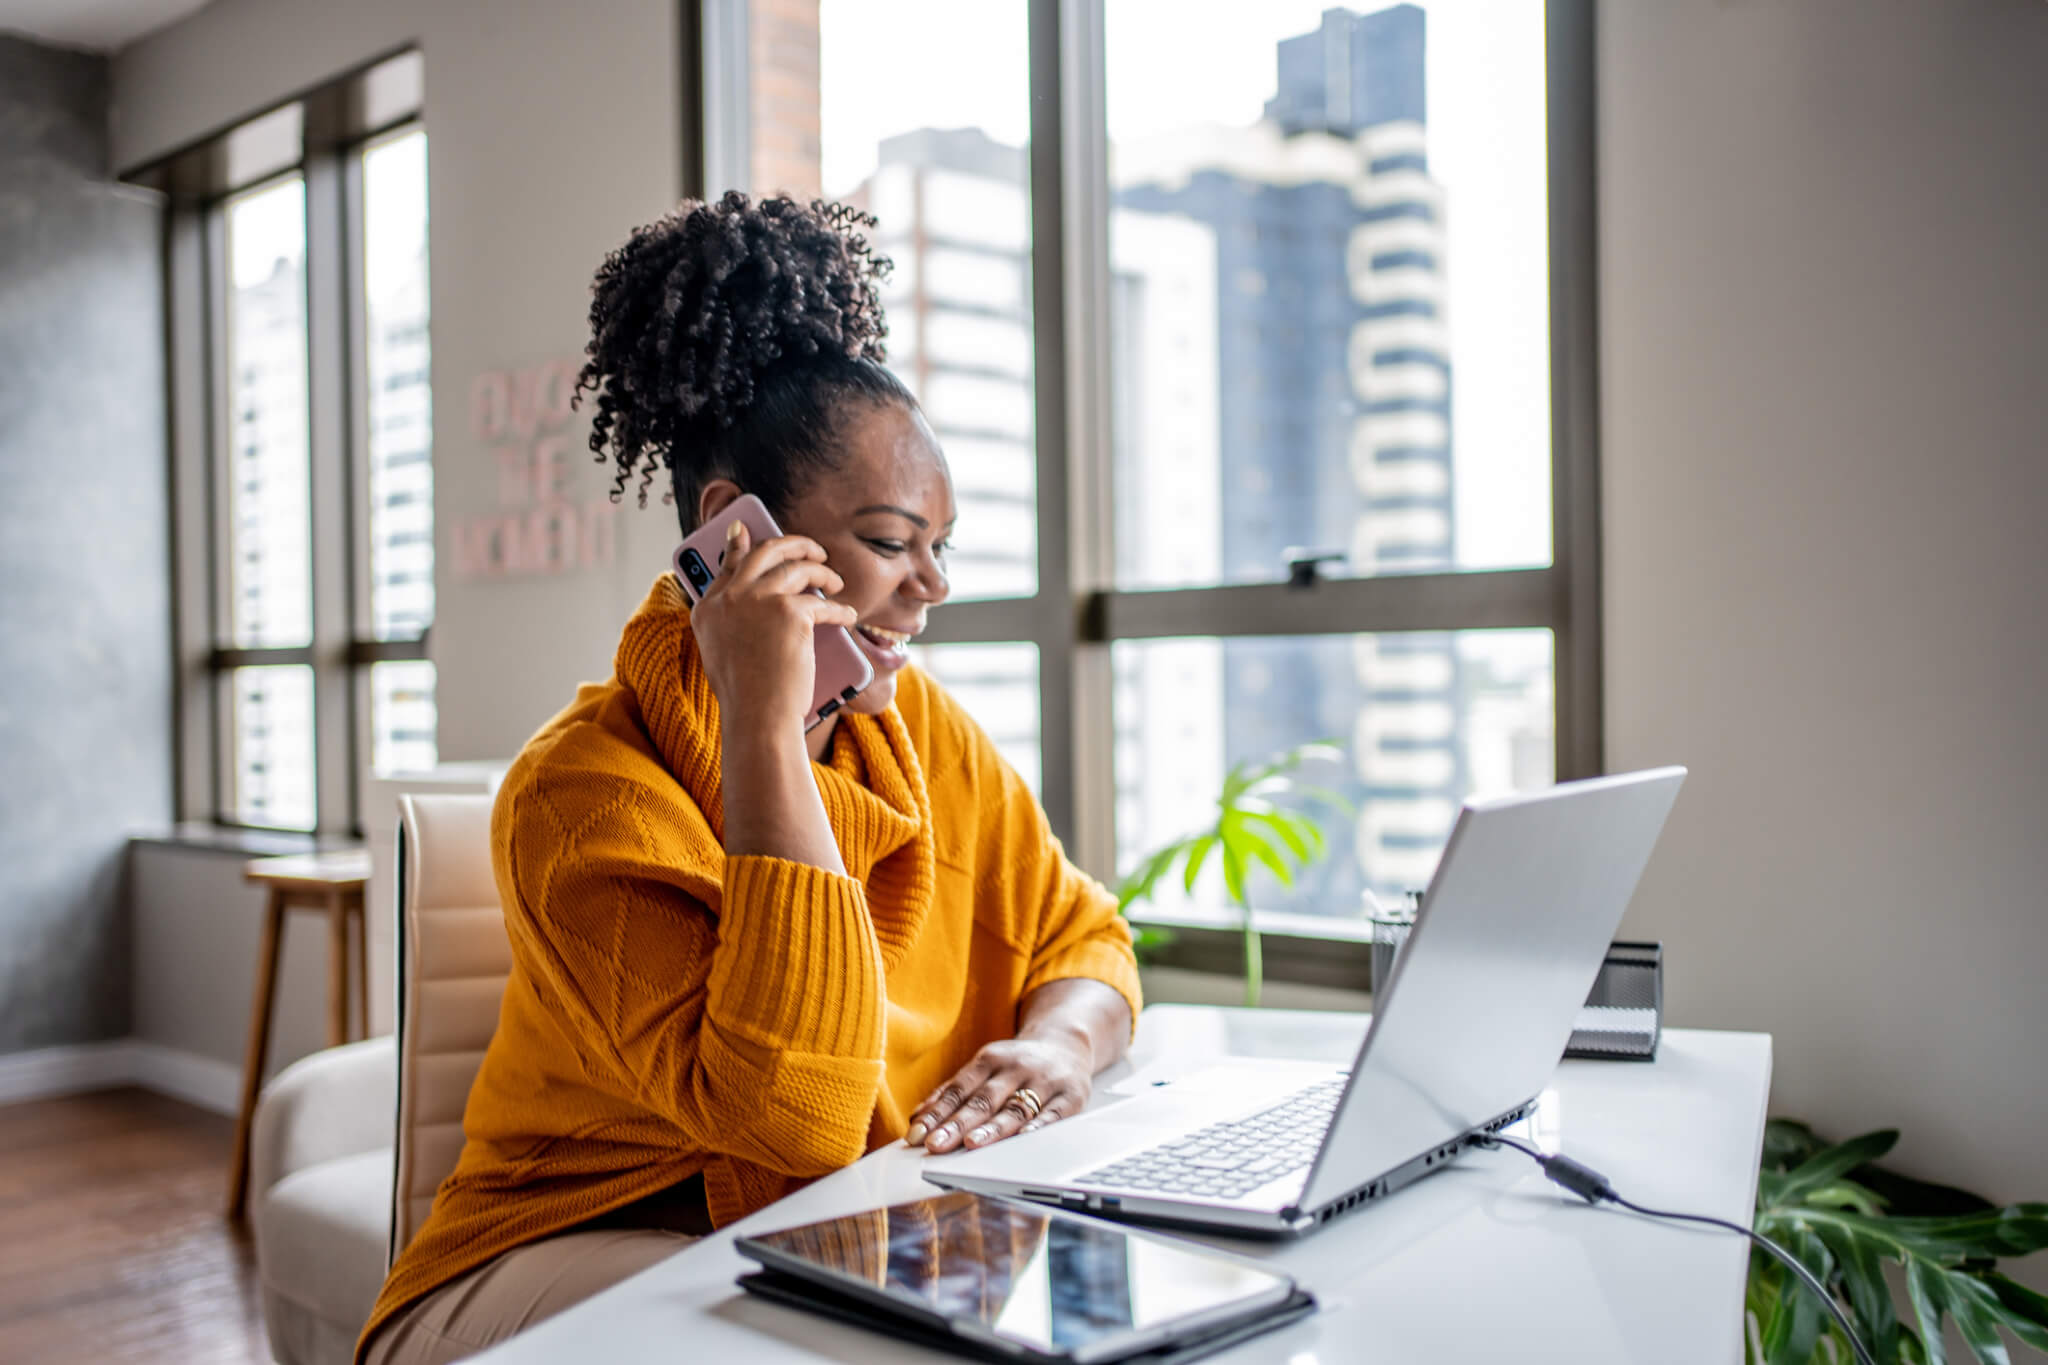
{"x": 1051, "y": 1281}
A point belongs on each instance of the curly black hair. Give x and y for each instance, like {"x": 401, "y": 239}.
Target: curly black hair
{"x": 725, "y": 342}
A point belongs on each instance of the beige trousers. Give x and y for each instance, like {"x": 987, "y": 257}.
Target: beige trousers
{"x": 517, "y": 1290}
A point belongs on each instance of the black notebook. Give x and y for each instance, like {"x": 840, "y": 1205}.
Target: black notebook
{"x": 999, "y": 1280}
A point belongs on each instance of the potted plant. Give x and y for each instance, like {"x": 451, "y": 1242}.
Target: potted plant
{"x": 1843, "y": 1217}
{"x": 1253, "y": 824}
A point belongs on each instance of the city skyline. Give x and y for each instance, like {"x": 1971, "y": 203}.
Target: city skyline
{"x": 1281, "y": 374}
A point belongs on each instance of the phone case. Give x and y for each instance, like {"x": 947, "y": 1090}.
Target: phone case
{"x": 842, "y": 670}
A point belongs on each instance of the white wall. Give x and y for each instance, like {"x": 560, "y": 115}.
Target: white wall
{"x": 553, "y": 129}
{"x": 1824, "y": 243}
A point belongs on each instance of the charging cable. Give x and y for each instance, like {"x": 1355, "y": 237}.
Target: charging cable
{"x": 1594, "y": 1188}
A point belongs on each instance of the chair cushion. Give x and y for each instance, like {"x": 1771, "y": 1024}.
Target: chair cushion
{"x": 453, "y": 961}
{"x": 321, "y": 1235}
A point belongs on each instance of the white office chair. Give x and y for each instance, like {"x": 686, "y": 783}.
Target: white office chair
{"x": 335, "y": 1198}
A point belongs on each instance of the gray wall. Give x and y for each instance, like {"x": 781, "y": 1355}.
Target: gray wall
{"x": 85, "y": 712}
{"x": 198, "y": 926}
{"x": 1825, "y": 271}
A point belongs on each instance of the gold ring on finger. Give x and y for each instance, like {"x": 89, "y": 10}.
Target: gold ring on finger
{"x": 1027, "y": 1100}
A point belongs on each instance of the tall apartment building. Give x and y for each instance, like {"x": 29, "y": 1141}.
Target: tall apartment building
{"x": 1334, "y": 414}
{"x": 270, "y": 569}
{"x": 399, "y": 410}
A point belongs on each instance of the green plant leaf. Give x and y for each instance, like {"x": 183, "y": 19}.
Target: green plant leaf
{"x": 1847, "y": 1194}
{"x": 1309, "y": 830}
{"x": 1976, "y": 1311}
{"x": 1246, "y": 840}
{"x": 1198, "y": 853}
{"x": 2015, "y": 1230}
{"x": 1788, "y": 1142}
{"x": 1825, "y": 1168}
{"x": 1287, "y": 833}
{"x": 2026, "y": 1313}
{"x": 1924, "y": 1287}
{"x": 1138, "y": 886}
{"x": 1233, "y": 872}
{"x": 1870, "y": 1298}
{"x": 1145, "y": 938}
{"x": 1804, "y": 1312}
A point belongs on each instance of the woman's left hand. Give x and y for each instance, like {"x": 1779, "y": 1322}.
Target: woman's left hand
{"x": 982, "y": 1104}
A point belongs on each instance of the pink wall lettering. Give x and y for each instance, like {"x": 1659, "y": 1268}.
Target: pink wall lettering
{"x": 539, "y": 528}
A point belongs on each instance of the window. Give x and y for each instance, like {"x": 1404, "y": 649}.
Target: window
{"x": 302, "y": 454}
{"x": 1319, "y": 461}
{"x": 269, "y": 525}
{"x": 399, "y": 409}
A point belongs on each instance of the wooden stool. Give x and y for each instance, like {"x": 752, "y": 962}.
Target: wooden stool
{"x": 330, "y": 882}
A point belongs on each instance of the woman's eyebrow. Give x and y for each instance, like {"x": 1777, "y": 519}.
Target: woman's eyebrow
{"x": 907, "y": 515}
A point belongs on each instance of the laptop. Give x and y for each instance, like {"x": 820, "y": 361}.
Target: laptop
{"x": 1468, "y": 1030}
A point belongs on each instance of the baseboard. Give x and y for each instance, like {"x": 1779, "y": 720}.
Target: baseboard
{"x": 75, "y": 1068}
{"x": 67, "y": 1070}
{"x": 203, "y": 1081}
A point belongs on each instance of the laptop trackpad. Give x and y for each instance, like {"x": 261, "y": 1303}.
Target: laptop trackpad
{"x": 1163, "y": 1107}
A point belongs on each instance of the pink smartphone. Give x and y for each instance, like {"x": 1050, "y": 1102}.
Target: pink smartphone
{"x": 842, "y": 670}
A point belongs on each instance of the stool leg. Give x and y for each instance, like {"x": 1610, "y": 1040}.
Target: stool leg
{"x": 258, "y": 1051}
{"x": 337, "y": 970}
{"x": 362, "y": 968}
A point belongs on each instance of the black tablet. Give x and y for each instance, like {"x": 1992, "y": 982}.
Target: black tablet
{"x": 1021, "y": 1281}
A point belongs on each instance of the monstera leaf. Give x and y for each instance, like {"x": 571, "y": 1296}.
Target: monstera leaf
{"x": 1838, "y": 1227}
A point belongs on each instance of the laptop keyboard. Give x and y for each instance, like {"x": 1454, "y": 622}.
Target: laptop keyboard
{"x": 1226, "y": 1160}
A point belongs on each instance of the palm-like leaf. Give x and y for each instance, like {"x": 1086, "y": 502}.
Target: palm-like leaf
{"x": 1249, "y": 829}
{"x": 1808, "y": 1202}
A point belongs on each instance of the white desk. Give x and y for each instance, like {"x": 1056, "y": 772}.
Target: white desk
{"x": 1486, "y": 1261}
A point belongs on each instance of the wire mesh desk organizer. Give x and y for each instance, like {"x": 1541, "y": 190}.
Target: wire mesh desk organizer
{"x": 1623, "y": 1016}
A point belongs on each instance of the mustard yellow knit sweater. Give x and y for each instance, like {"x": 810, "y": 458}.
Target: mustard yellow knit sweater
{"x": 672, "y": 1011}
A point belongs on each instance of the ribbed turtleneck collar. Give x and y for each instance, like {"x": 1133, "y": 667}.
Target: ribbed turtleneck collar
{"x": 873, "y": 786}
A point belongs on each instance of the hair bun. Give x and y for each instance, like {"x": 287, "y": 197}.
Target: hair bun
{"x": 698, "y": 308}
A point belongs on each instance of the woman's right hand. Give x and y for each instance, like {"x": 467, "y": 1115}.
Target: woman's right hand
{"x": 754, "y": 624}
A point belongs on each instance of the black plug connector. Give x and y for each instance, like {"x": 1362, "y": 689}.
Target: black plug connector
{"x": 1581, "y": 1180}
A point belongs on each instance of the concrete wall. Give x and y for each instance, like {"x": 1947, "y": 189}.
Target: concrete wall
{"x": 553, "y": 129}
{"x": 1825, "y": 373}
{"x": 85, "y": 714}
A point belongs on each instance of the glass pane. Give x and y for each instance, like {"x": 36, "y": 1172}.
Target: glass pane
{"x": 998, "y": 686}
{"x": 1330, "y": 288}
{"x": 400, "y": 412}
{"x": 1424, "y": 720}
{"x": 402, "y": 717}
{"x": 269, "y": 541}
{"x": 273, "y": 761}
{"x": 918, "y": 110}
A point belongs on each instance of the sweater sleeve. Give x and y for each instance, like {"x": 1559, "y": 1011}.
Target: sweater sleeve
{"x": 1064, "y": 919}
{"x": 757, "y": 1032}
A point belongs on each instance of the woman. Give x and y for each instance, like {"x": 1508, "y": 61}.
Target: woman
{"x": 744, "y": 955}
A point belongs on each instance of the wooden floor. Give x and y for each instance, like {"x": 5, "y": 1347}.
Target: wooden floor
{"x": 112, "y": 1244}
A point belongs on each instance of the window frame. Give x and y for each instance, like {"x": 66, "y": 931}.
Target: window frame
{"x": 1078, "y": 611}
{"x": 319, "y": 136}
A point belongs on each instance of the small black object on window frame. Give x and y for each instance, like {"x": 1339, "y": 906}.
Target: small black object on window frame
{"x": 1304, "y": 566}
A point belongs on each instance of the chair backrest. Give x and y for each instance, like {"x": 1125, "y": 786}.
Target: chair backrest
{"x": 453, "y": 959}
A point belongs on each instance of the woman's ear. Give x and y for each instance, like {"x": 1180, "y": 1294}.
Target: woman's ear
{"x": 715, "y": 497}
